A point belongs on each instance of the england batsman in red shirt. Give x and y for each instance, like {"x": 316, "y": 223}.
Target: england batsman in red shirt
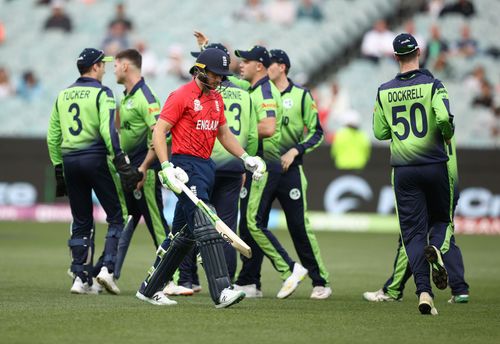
{"x": 194, "y": 115}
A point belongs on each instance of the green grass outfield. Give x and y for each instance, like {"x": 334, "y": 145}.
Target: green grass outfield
{"x": 36, "y": 306}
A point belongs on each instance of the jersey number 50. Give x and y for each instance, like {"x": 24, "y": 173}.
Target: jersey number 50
{"x": 412, "y": 125}
{"x": 75, "y": 108}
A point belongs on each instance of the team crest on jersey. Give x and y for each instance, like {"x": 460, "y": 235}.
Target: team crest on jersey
{"x": 130, "y": 104}
{"x": 287, "y": 103}
{"x": 197, "y": 105}
{"x": 294, "y": 194}
{"x": 243, "y": 192}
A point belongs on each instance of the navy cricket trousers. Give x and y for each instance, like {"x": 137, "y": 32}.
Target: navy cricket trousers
{"x": 84, "y": 173}
{"x": 424, "y": 197}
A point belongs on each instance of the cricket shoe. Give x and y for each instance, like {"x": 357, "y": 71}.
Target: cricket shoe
{"x": 107, "y": 280}
{"x": 79, "y": 287}
{"x": 292, "y": 282}
{"x": 378, "y": 296}
{"x": 196, "y": 288}
{"x": 229, "y": 297}
{"x": 158, "y": 299}
{"x": 439, "y": 274}
{"x": 173, "y": 289}
{"x": 464, "y": 298}
{"x": 320, "y": 293}
{"x": 426, "y": 305}
{"x": 250, "y": 290}
{"x": 96, "y": 288}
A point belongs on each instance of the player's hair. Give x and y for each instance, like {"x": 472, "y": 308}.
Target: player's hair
{"x": 132, "y": 55}
{"x": 408, "y": 57}
{"x": 84, "y": 70}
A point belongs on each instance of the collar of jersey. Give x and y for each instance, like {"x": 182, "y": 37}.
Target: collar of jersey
{"x": 260, "y": 82}
{"x": 135, "y": 88}
{"x": 87, "y": 79}
{"x": 289, "y": 87}
{"x": 408, "y": 75}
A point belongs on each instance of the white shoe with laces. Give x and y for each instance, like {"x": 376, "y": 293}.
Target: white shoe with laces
{"x": 158, "y": 299}
{"x": 292, "y": 282}
{"x": 229, "y": 297}
{"x": 79, "y": 287}
{"x": 321, "y": 293}
{"x": 250, "y": 290}
{"x": 378, "y": 296}
{"x": 107, "y": 280}
{"x": 173, "y": 289}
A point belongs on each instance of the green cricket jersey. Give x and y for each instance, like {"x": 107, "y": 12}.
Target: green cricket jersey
{"x": 299, "y": 112}
{"x": 413, "y": 111}
{"x": 139, "y": 110}
{"x": 242, "y": 122}
{"x": 266, "y": 100}
{"x": 83, "y": 121}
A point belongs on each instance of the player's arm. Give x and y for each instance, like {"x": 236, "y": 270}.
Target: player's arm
{"x": 150, "y": 111}
{"x": 315, "y": 133}
{"x": 441, "y": 106}
{"x": 107, "y": 128}
{"x": 252, "y": 163}
{"x": 253, "y": 135}
{"x": 266, "y": 115}
{"x": 54, "y": 137}
{"x": 129, "y": 176}
{"x": 229, "y": 141}
{"x": 160, "y": 131}
{"x": 381, "y": 128}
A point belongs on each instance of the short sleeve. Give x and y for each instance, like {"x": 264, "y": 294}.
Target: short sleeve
{"x": 173, "y": 109}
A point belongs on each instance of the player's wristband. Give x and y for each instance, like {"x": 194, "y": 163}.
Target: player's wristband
{"x": 244, "y": 156}
{"x": 166, "y": 164}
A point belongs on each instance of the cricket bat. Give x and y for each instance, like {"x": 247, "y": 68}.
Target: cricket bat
{"x": 225, "y": 232}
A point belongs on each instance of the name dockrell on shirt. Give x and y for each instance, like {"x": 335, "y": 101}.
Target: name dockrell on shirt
{"x": 206, "y": 124}
{"x": 402, "y": 95}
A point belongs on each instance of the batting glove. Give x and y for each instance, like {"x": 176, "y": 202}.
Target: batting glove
{"x": 255, "y": 165}
{"x": 172, "y": 177}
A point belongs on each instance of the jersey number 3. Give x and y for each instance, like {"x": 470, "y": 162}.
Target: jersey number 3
{"x": 74, "y": 110}
{"x": 237, "y": 117}
{"x": 412, "y": 125}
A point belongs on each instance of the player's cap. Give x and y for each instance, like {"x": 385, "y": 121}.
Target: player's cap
{"x": 257, "y": 53}
{"x": 279, "y": 56}
{"x": 214, "y": 46}
{"x": 90, "y": 56}
{"x": 213, "y": 60}
{"x": 404, "y": 43}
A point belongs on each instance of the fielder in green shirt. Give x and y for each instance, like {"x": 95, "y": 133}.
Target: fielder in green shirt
{"x": 299, "y": 112}
{"x": 413, "y": 111}
{"x": 80, "y": 136}
{"x": 257, "y": 196}
{"x": 138, "y": 111}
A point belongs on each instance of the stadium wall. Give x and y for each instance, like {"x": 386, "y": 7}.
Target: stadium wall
{"x": 337, "y": 200}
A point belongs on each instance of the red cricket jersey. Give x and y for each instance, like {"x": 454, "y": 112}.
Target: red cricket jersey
{"x": 195, "y": 118}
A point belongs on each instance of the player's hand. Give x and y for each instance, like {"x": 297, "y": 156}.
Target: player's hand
{"x": 172, "y": 177}
{"x": 255, "y": 165}
{"x": 288, "y": 158}
{"x": 143, "y": 170}
{"x": 201, "y": 39}
{"x": 129, "y": 175}
{"x": 60, "y": 182}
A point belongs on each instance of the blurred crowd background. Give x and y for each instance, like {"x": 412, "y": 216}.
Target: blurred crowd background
{"x": 340, "y": 49}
